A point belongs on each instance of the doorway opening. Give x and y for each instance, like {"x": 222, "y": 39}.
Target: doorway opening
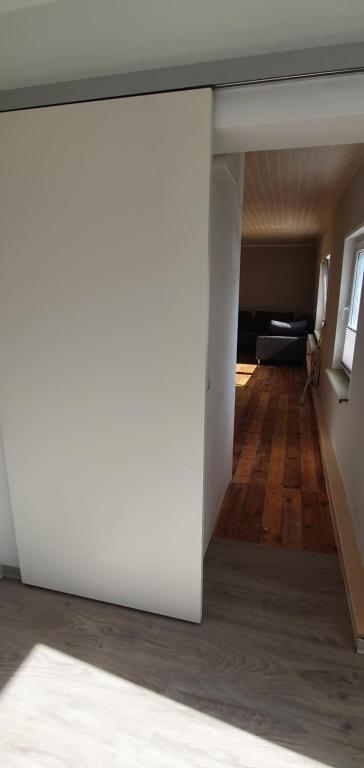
{"x": 278, "y": 495}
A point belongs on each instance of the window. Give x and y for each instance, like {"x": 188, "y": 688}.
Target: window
{"x": 352, "y": 311}
{"x": 322, "y": 294}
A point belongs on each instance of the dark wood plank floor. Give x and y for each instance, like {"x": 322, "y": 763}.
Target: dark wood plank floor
{"x": 278, "y": 494}
{"x": 269, "y": 679}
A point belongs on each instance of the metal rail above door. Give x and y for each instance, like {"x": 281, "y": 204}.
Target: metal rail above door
{"x": 309, "y": 62}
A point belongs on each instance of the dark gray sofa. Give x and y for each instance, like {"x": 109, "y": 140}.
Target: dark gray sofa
{"x": 253, "y": 324}
{"x": 281, "y": 349}
{"x": 273, "y": 336}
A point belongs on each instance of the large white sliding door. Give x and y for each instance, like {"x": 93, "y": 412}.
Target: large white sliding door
{"x": 104, "y": 212}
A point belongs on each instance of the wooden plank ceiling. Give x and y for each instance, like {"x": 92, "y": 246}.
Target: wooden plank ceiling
{"x": 289, "y": 194}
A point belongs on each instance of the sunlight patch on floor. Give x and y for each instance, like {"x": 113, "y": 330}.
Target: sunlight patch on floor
{"x": 243, "y": 373}
{"x": 59, "y": 711}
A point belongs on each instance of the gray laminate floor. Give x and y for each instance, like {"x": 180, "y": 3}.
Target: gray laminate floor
{"x": 270, "y": 678}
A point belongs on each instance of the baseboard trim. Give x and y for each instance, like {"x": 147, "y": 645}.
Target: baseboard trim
{"x": 10, "y": 572}
{"x": 348, "y": 551}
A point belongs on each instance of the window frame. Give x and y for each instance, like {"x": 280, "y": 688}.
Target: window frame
{"x": 322, "y": 294}
{"x": 359, "y": 256}
{"x": 351, "y": 331}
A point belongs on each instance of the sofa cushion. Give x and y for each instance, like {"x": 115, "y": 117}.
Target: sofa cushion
{"x": 245, "y": 320}
{"x": 263, "y": 319}
{"x": 310, "y": 323}
{"x": 246, "y": 342}
{"x": 292, "y": 328}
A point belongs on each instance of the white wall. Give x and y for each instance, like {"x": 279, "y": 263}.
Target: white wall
{"x": 8, "y": 550}
{"x": 346, "y": 420}
{"x": 310, "y": 112}
{"x": 225, "y": 228}
{"x": 103, "y": 341}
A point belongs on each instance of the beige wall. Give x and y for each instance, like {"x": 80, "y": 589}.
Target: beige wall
{"x": 346, "y": 420}
{"x": 278, "y": 278}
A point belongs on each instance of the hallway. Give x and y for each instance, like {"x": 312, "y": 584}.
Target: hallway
{"x": 278, "y": 494}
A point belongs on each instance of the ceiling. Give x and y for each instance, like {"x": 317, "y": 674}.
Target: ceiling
{"x": 44, "y": 41}
{"x": 289, "y": 194}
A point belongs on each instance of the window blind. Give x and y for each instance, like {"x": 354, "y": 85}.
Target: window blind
{"x": 348, "y": 351}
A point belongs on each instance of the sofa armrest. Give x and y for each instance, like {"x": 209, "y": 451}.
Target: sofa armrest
{"x": 285, "y": 349}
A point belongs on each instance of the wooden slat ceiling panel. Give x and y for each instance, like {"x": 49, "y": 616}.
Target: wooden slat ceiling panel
{"x": 289, "y": 194}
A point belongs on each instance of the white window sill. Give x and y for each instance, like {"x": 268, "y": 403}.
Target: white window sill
{"x": 339, "y": 383}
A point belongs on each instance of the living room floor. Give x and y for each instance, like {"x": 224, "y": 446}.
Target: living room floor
{"x": 277, "y": 495}
{"x": 270, "y": 677}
